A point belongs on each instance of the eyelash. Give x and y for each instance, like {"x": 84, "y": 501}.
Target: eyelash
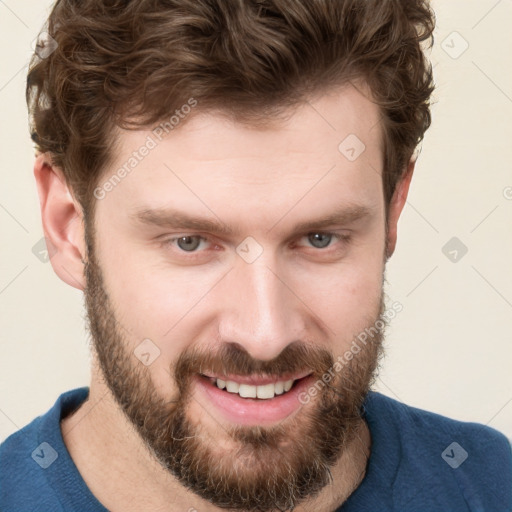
{"x": 342, "y": 238}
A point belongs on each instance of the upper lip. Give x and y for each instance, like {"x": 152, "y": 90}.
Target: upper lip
{"x": 258, "y": 380}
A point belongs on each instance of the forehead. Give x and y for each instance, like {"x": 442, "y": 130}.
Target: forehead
{"x": 326, "y": 118}
{"x": 327, "y": 151}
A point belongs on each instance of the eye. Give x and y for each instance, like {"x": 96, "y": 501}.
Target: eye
{"x": 322, "y": 240}
{"x": 188, "y": 243}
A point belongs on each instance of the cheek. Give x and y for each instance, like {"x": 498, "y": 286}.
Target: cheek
{"x": 153, "y": 301}
{"x": 347, "y": 296}
{"x": 158, "y": 305}
{"x": 348, "y": 302}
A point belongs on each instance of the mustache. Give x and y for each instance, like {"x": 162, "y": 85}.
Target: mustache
{"x": 232, "y": 358}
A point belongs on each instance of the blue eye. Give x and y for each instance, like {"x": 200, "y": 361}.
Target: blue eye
{"x": 188, "y": 243}
{"x": 323, "y": 239}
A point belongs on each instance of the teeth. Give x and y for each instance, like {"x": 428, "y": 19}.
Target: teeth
{"x": 265, "y": 392}
{"x": 232, "y": 387}
{"x": 247, "y": 391}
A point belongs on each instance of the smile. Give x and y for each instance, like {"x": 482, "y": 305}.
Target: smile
{"x": 253, "y": 400}
{"x": 264, "y": 392}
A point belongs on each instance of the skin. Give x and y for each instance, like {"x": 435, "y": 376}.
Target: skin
{"x": 216, "y": 168}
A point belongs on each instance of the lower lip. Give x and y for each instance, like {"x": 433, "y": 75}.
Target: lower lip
{"x": 253, "y": 411}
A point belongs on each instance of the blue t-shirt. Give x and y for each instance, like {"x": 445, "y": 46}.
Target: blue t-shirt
{"x": 419, "y": 462}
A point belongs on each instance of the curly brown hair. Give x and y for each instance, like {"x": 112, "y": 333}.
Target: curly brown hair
{"x": 132, "y": 63}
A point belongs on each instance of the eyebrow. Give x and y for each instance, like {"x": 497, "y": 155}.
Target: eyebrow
{"x": 175, "y": 219}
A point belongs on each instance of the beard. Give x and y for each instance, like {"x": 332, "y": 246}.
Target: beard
{"x": 244, "y": 467}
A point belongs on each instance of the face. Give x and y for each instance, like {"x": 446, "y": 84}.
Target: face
{"x": 227, "y": 273}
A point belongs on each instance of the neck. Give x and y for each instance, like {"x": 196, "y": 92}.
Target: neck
{"x": 113, "y": 461}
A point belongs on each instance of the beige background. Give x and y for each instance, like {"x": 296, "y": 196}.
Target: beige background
{"x": 448, "y": 351}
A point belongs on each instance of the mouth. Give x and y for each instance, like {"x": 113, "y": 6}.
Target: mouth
{"x": 252, "y": 387}
{"x": 253, "y": 400}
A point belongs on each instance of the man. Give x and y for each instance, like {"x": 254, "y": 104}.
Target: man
{"x": 223, "y": 179}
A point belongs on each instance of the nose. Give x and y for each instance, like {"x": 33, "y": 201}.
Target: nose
{"x": 259, "y": 310}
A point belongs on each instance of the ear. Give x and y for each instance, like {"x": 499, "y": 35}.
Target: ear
{"x": 396, "y": 206}
{"x": 62, "y": 219}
